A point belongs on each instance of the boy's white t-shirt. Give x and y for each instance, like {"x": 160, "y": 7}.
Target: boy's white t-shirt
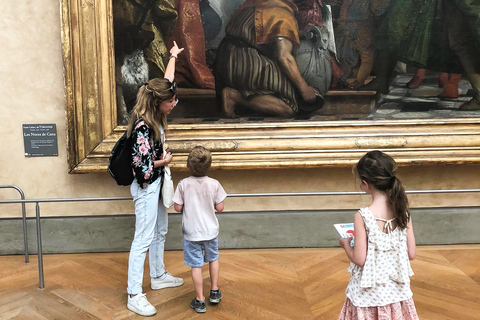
{"x": 199, "y": 195}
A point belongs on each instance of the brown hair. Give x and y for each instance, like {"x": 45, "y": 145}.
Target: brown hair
{"x": 149, "y": 96}
{"x": 199, "y": 161}
{"x": 380, "y": 170}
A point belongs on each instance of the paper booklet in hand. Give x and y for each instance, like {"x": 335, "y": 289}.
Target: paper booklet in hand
{"x": 346, "y": 231}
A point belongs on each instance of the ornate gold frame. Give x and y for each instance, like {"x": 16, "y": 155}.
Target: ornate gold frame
{"x": 87, "y": 38}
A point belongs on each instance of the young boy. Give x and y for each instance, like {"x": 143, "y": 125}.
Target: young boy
{"x": 200, "y": 196}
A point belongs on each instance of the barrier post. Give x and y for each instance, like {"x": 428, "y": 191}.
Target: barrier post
{"x": 24, "y": 218}
{"x": 41, "y": 284}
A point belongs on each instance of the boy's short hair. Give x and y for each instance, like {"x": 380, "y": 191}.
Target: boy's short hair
{"x": 199, "y": 161}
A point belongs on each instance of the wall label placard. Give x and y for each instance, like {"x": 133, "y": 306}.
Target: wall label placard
{"x": 40, "y": 140}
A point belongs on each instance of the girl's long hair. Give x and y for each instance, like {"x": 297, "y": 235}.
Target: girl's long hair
{"x": 380, "y": 170}
{"x": 149, "y": 96}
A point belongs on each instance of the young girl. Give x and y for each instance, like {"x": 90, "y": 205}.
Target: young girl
{"x": 379, "y": 286}
{"x": 148, "y": 119}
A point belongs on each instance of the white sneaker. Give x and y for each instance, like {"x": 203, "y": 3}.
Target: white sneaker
{"x": 165, "y": 281}
{"x": 139, "y": 304}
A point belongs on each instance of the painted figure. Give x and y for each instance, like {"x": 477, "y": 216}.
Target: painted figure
{"x": 441, "y": 35}
{"x": 255, "y": 68}
{"x": 448, "y": 81}
{"x": 354, "y": 31}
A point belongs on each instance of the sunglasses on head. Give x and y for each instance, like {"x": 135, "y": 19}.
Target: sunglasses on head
{"x": 173, "y": 87}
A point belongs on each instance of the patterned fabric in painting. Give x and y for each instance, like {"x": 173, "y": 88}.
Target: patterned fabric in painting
{"x": 188, "y": 33}
{"x": 250, "y": 67}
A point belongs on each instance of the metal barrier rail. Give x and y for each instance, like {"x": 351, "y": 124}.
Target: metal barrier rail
{"x": 233, "y": 195}
{"x": 41, "y": 282}
{"x": 344, "y": 193}
{"x": 24, "y": 218}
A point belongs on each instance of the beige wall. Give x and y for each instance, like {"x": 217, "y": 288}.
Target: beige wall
{"x": 31, "y": 91}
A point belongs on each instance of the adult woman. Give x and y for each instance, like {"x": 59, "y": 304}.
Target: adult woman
{"x": 155, "y": 100}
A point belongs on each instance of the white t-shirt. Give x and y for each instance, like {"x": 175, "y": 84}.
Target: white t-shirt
{"x": 199, "y": 195}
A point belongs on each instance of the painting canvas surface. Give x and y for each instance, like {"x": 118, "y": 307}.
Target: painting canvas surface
{"x": 293, "y": 59}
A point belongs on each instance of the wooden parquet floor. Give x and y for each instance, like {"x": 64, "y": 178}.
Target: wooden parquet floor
{"x": 256, "y": 284}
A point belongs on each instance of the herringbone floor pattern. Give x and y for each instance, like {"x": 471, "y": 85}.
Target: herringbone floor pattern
{"x": 256, "y": 284}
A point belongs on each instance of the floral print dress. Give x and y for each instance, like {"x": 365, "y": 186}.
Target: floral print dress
{"x": 145, "y": 150}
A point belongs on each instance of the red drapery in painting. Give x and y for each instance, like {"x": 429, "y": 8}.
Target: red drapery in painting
{"x": 191, "y": 65}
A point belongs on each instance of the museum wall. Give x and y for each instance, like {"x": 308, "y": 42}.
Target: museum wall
{"x": 31, "y": 91}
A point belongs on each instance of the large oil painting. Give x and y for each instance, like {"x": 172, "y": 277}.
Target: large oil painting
{"x": 280, "y": 83}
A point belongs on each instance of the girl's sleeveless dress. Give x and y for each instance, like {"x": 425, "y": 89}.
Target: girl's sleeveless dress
{"x": 381, "y": 288}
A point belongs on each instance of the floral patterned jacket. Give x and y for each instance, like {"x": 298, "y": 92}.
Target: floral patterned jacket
{"x": 144, "y": 151}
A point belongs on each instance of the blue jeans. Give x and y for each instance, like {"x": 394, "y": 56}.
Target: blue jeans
{"x": 151, "y": 226}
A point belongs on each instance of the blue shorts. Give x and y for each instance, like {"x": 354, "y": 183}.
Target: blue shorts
{"x": 195, "y": 253}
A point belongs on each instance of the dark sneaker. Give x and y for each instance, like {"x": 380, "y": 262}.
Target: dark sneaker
{"x": 215, "y": 296}
{"x": 198, "y": 306}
